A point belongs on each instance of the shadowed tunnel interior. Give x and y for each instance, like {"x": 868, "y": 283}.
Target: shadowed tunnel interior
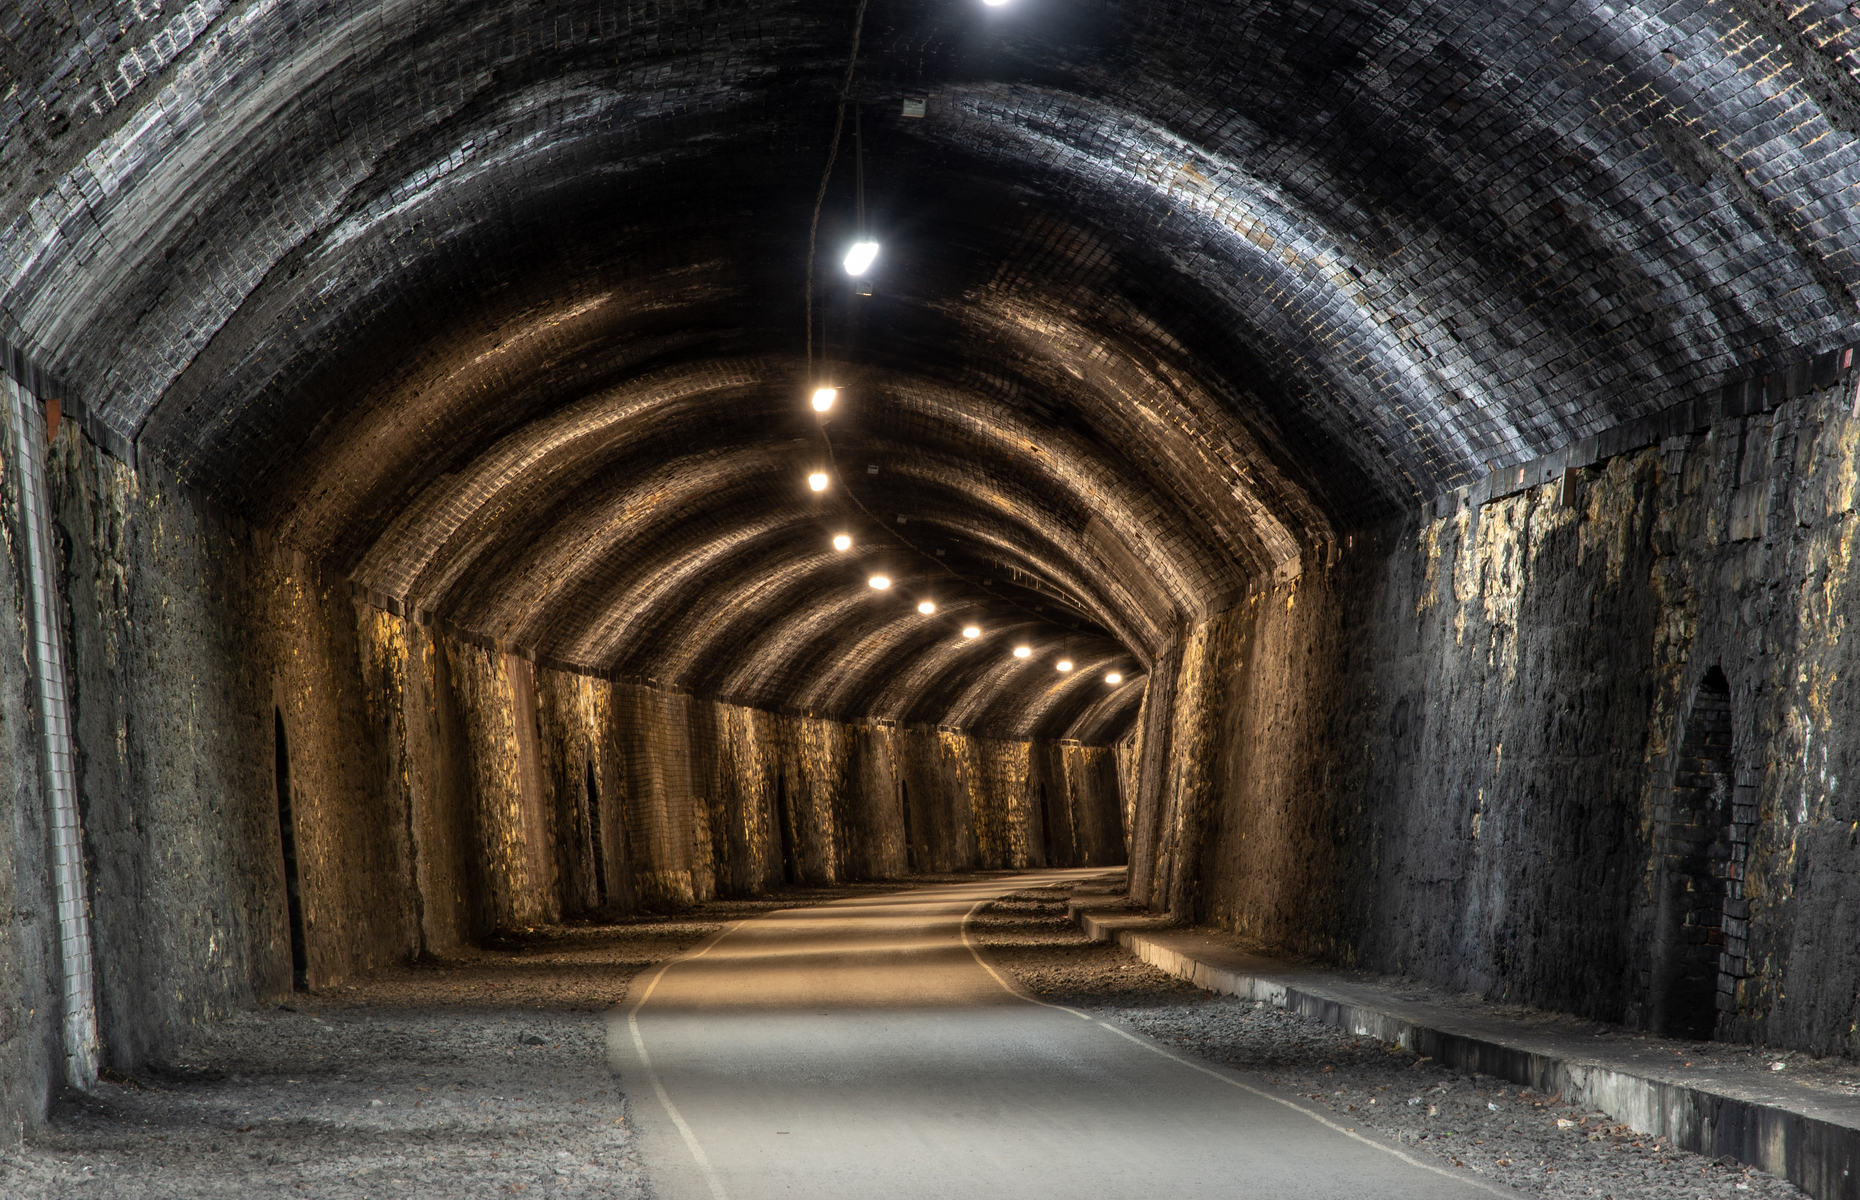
{"x": 1390, "y": 412}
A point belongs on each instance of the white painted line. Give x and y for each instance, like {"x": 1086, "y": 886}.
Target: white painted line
{"x": 639, "y": 1044}
{"x": 1150, "y": 1045}
{"x": 1012, "y": 989}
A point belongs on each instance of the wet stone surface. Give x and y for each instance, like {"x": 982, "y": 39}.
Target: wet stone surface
{"x": 1533, "y": 1143}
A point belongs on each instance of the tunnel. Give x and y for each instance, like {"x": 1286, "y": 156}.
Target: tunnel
{"x": 1380, "y": 476}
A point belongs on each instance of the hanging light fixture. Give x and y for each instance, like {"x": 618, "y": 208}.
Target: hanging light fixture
{"x": 926, "y": 607}
{"x": 1064, "y": 664}
{"x": 880, "y": 582}
{"x": 971, "y": 632}
{"x": 1114, "y": 677}
{"x": 842, "y": 542}
{"x": 818, "y": 481}
{"x": 860, "y": 258}
{"x": 823, "y": 398}
{"x": 1023, "y": 652}
{"x": 864, "y": 252}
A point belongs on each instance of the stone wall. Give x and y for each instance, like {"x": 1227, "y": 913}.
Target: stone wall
{"x": 436, "y": 789}
{"x": 1462, "y": 752}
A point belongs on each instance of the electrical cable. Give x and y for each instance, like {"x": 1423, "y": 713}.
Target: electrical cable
{"x": 820, "y": 196}
{"x": 813, "y": 252}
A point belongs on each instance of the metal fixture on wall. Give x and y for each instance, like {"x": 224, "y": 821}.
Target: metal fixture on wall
{"x": 26, "y": 426}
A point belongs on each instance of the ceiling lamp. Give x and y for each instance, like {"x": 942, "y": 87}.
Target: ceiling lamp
{"x": 971, "y": 632}
{"x": 1023, "y": 652}
{"x": 842, "y": 542}
{"x": 879, "y": 582}
{"x": 1114, "y": 677}
{"x": 818, "y": 481}
{"x": 860, "y": 258}
{"x": 926, "y": 607}
{"x": 1064, "y": 664}
{"x": 823, "y": 398}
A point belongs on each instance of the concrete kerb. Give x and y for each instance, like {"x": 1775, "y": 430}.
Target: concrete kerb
{"x": 1817, "y": 1151}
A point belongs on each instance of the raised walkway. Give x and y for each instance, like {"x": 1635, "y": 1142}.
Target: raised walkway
{"x": 1801, "y": 1122}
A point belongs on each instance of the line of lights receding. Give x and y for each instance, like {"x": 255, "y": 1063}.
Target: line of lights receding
{"x": 823, "y": 400}
{"x": 859, "y": 259}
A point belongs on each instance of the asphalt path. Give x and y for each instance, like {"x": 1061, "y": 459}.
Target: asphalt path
{"x": 865, "y": 1050}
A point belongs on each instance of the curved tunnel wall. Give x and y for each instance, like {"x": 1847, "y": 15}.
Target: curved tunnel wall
{"x": 458, "y": 352}
{"x": 440, "y": 784}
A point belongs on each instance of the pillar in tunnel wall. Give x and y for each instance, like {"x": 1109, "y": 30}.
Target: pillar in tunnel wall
{"x": 428, "y": 772}
{"x": 509, "y": 831}
{"x": 570, "y": 720}
{"x": 1151, "y": 773}
{"x": 877, "y": 845}
{"x": 650, "y": 734}
{"x": 992, "y": 775}
{"x": 1129, "y": 764}
{"x": 739, "y": 804}
{"x": 1198, "y": 748}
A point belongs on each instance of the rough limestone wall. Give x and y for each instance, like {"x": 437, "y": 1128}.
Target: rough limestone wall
{"x": 1129, "y": 752}
{"x": 739, "y": 804}
{"x": 570, "y": 715}
{"x": 942, "y": 832}
{"x": 1147, "y": 801}
{"x": 1079, "y": 822}
{"x": 876, "y": 847}
{"x": 995, "y": 776}
{"x": 31, "y": 1058}
{"x": 448, "y": 876}
{"x": 439, "y": 791}
{"x": 1453, "y": 755}
{"x": 511, "y": 835}
{"x": 189, "y": 635}
{"x": 650, "y": 735}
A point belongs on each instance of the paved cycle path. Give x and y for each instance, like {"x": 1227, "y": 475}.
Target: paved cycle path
{"x": 862, "y": 1050}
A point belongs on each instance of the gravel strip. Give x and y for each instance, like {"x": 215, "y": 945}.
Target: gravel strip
{"x": 482, "y": 1074}
{"x": 1536, "y": 1144}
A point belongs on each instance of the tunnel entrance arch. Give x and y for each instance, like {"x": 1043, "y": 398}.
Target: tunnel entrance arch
{"x": 287, "y": 840}
{"x": 1695, "y": 870}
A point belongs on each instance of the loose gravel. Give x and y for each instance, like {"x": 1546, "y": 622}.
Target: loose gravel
{"x": 1536, "y": 1144}
{"x": 484, "y": 1074}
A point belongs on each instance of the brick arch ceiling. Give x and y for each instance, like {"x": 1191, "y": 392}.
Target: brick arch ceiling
{"x": 497, "y": 307}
